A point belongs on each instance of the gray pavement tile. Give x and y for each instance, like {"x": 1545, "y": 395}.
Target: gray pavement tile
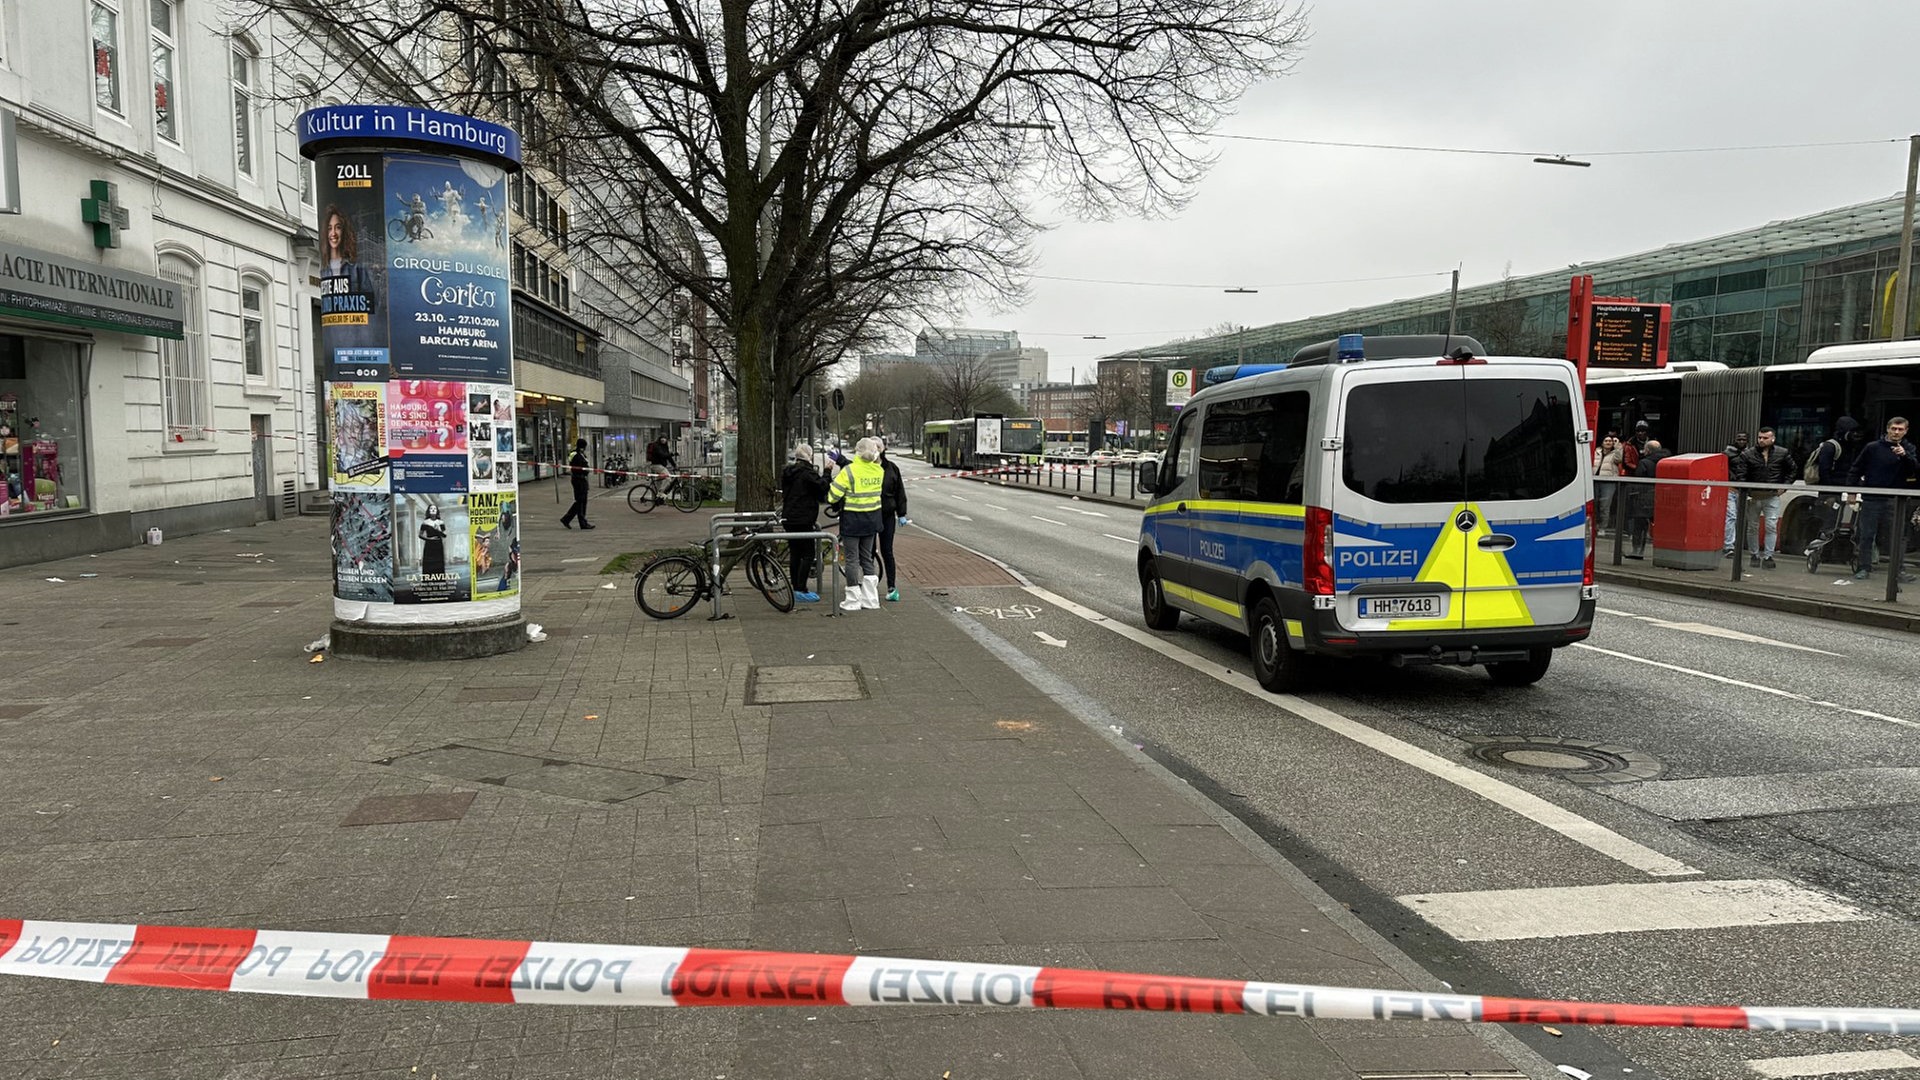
{"x": 813, "y": 1043}
{"x": 1442, "y": 1052}
{"x": 804, "y": 926}
{"x": 828, "y": 876}
{"x": 1315, "y": 953}
{"x": 1138, "y": 800}
{"x": 923, "y": 922}
{"x": 1037, "y": 827}
{"x": 1088, "y": 865}
{"x": 1290, "y": 1049}
{"x": 944, "y": 869}
{"x": 1157, "y": 1046}
{"x": 1187, "y": 845}
{"x": 996, "y": 795}
{"x": 883, "y": 835}
{"x": 1118, "y": 914}
{"x": 986, "y": 1046}
{"x": 1198, "y": 959}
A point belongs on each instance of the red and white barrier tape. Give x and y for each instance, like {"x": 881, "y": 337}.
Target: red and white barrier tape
{"x": 380, "y": 966}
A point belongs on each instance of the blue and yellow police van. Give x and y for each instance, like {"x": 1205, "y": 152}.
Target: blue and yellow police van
{"x": 1403, "y": 498}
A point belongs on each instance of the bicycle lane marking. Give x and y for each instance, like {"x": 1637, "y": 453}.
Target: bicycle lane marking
{"x": 1540, "y": 811}
{"x": 1743, "y": 684}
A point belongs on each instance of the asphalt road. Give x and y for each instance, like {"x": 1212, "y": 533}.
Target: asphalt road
{"x": 1726, "y": 745}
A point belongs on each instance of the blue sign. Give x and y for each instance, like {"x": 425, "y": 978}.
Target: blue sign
{"x": 401, "y": 126}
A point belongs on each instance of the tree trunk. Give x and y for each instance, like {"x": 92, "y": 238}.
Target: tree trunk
{"x": 753, "y": 465}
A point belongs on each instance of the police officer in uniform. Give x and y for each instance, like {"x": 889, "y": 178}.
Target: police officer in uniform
{"x": 578, "y": 468}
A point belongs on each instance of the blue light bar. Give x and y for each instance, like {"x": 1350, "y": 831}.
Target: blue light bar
{"x": 1216, "y": 376}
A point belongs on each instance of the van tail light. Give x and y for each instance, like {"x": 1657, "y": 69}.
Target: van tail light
{"x": 1318, "y": 552}
{"x": 1593, "y": 541}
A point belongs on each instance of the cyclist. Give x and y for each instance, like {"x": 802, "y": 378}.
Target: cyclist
{"x": 416, "y": 215}
{"x": 802, "y": 489}
{"x": 660, "y": 455}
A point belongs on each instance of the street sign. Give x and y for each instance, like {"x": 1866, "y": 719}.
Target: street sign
{"x": 839, "y": 399}
{"x": 1179, "y": 386}
{"x": 1628, "y": 335}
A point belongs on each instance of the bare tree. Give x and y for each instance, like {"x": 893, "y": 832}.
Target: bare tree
{"x": 877, "y": 157}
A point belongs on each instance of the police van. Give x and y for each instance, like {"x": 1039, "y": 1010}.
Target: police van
{"x": 1376, "y": 498}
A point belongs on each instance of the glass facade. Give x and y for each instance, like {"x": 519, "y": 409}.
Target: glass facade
{"x": 1766, "y": 296}
{"x": 43, "y": 442}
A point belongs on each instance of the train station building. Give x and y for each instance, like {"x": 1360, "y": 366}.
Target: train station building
{"x": 1761, "y": 296}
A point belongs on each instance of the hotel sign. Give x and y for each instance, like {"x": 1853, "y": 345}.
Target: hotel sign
{"x": 41, "y": 285}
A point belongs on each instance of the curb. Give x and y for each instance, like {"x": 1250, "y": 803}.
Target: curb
{"x": 1887, "y": 619}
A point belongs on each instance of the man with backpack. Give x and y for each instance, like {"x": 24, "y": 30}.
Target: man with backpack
{"x": 1765, "y": 462}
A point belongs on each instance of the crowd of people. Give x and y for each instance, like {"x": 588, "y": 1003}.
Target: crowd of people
{"x": 870, "y": 497}
{"x": 1875, "y": 469}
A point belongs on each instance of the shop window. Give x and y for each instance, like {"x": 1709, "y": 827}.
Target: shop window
{"x": 256, "y": 340}
{"x": 105, "y": 21}
{"x": 42, "y": 439}
{"x": 187, "y": 409}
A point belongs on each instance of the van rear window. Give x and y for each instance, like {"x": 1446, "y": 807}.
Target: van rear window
{"x": 1447, "y": 441}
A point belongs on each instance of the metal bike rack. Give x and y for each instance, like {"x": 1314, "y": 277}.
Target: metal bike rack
{"x": 761, "y": 517}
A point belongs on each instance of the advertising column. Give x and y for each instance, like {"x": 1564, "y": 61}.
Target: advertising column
{"x": 416, "y": 330}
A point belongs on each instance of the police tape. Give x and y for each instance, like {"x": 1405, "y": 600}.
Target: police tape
{"x": 397, "y": 967}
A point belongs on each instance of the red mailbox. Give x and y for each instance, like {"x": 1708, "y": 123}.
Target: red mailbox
{"x": 1689, "y": 521}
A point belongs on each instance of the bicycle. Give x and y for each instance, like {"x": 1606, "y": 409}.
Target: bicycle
{"x": 669, "y": 586}
{"x": 399, "y": 232}
{"x": 646, "y": 493}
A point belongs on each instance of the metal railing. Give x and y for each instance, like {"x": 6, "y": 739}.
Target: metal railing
{"x": 1101, "y": 479}
{"x": 1630, "y": 514}
{"x": 723, "y": 541}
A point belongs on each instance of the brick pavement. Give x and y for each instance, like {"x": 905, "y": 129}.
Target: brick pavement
{"x": 172, "y": 756}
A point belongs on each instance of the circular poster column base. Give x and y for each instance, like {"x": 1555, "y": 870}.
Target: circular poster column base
{"x": 465, "y": 641}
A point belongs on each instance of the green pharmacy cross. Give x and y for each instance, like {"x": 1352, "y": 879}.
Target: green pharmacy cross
{"x": 105, "y": 214}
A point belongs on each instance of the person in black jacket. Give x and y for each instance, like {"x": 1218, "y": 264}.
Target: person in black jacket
{"x": 578, "y": 468}
{"x": 1886, "y": 464}
{"x": 801, "y": 490}
{"x": 893, "y": 512}
{"x": 1641, "y": 516}
{"x": 1765, "y": 462}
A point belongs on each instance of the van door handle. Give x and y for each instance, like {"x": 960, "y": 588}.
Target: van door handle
{"x": 1496, "y": 542}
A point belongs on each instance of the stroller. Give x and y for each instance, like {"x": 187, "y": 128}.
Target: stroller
{"x": 1835, "y": 544}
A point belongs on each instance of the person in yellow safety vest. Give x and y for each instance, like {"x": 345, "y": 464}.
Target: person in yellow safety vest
{"x": 857, "y": 489}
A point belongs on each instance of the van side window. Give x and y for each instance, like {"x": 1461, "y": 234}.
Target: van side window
{"x": 1230, "y": 442}
{"x": 1182, "y": 449}
{"x": 1283, "y": 458}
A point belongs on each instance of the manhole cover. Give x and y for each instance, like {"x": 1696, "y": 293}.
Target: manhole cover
{"x": 1571, "y": 759}
{"x": 796, "y": 683}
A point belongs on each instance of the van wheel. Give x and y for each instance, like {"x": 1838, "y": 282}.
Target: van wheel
{"x": 1275, "y": 664}
{"x": 1522, "y": 672}
{"x": 1153, "y": 599}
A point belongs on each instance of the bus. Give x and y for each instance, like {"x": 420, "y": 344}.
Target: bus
{"x": 981, "y": 442}
{"x": 1697, "y": 408}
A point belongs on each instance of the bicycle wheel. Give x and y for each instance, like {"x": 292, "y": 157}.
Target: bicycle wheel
{"x": 642, "y": 497}
{"x": 686, "y": 496}
{"x": 669, "y": 586}
{"x": 770, "y": 578}
{"x": 396, "y": 230}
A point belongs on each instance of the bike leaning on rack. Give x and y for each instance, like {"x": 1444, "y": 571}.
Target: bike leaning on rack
{"x": 669, "y": 586}
{"x": 680, "y": 490}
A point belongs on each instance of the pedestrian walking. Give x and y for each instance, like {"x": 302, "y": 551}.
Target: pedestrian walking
{"x": 1607, "y": 463}
{"x": 1886, "y": 464}
{"x": 856, "y": 487}
{"x": 1642, "y": 513}
{"x": 893, "y": 514}
{"x": 1765, "y": 462}
{"x": 1731, "y": 543}
{"x": 578, "y": 469}
{"x": 802, "y": 489}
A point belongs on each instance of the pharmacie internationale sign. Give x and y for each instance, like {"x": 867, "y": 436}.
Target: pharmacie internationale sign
{"x": 41, "y": 285}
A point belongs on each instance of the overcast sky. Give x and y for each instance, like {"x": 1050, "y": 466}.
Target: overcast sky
{"x": 1501, "y": 75}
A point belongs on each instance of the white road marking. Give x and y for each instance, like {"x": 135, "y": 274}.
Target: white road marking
{"x": 1089, "y": 513}
{"x": 1049, "y": 639}
{"x": 1834, "y": 1064}
{"x": 1002, "y": 509}
{"x": 1710, "y": 630}
{"x": 1525, "y": 803}
{"x": 1122, "y": 539}
{"x": 1049, "y": 521}
{"x": 1517, "y": 914}
{"x": 959, "y": 498}
{"x": 1776, "y": 692}
{"x": 951, "y": 514}
{"x": 583, "y": 558}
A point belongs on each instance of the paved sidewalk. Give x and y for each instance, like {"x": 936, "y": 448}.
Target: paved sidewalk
{"x": 876, "y": 782}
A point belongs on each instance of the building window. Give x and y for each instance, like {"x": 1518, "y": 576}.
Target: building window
{"x": 42, "y": 427}
{"x": 256, "y": 342}
{"x": 308, "y": 99}
{"x": 243, "y": 106}
{"x": 106, "y": 55}
{"x": 183, "y": 364}
{"x": 164, "y": 113}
